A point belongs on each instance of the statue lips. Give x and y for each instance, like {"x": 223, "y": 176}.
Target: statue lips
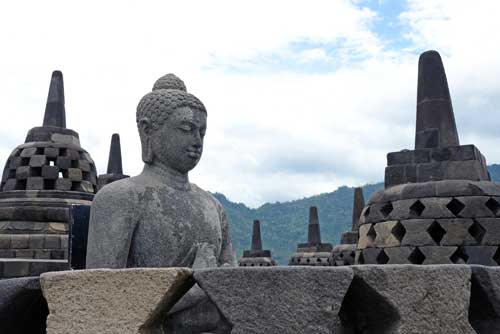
{"x": 194, "y": 154}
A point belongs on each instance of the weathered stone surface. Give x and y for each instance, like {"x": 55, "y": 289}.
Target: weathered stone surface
{"x": 277, "y": 299}
{"x": 416, "y": 232}
{"x": 484, "y": 310}
{"x": 484, "y": 255}
{"x": 438, "y": 254}
{"x": 492, "y": 230}
{"x": 348, "y": 238}
{"x": 407, "y": 299}
{"x": 385, "y": 237}
{"x": 22, "y": 306}
{"x": 115, "y": 301}
{"x": 357, "y": 207}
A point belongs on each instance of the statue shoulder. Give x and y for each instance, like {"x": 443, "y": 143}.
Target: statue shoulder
{"x": 122, "y": 192}
{"x": 208, "y": 197}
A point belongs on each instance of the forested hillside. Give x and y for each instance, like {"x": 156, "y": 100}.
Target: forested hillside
{"x": 285, "y": 224}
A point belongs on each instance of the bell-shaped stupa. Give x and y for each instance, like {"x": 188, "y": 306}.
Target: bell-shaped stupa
{"x": 439, "y": 205}
{"x": 43, "y": 180}
{"x": 256, "y": 256}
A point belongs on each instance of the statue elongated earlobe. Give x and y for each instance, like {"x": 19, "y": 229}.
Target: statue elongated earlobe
{"x": 146, "y": 145}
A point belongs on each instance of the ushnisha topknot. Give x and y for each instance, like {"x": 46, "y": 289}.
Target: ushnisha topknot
{"x": 169, "y": 93}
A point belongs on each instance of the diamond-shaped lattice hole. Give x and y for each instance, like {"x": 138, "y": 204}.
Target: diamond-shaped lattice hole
{"x": 436, "y": 232}
{"x": 361, "y": 258}
{"x": 493, "y": 205}
{"x": 459, "y": 256}
{"x": 382, "y": 258}
{"x": 455, "y": 206}
{"x": 398, "y": 231}
{"x": 477, "y": 231}
{"x": 496, "y": 257}
{"x": 367, "y": 212}
{"x": 416, "y": 257}
{"x": 417, "y": 208}
{"x": 372, "y": 234}
{"x": 386, "y": 209}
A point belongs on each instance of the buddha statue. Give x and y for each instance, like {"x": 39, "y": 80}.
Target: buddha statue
{"x": 158, "y": 218}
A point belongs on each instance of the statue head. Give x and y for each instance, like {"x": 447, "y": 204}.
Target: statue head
{"x": 172, "y": 125}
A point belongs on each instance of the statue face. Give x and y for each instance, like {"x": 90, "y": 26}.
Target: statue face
{"x": 178, "y": 144}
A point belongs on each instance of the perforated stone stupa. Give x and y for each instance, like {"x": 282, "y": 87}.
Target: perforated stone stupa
{"x": 313, "y": 252}
{"x": 256, "y": 257}
{"x": 438, "y": 205}
{"x": 41, "y": 180}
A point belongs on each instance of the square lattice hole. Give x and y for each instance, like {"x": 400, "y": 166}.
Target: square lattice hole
{"x": 416, "y": 257}
{"x": 386, "y": 209}
{"x": 417, "y": 208}
{"x": 455, "y": 206}
{"x": 398, "y": 231}
{"x": 493, "y": 205}
{"x": 436, "y": 232}
{"x": 477, "y": 231}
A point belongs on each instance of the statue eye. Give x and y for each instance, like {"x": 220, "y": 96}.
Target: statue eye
{"x": 186, "y": 127}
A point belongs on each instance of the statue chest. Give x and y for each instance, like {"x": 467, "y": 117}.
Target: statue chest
{"x": 172, "y": 226}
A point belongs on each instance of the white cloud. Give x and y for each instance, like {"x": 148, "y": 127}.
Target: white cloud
{"x": 276, "y": 131}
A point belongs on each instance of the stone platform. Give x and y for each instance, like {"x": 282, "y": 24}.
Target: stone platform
{"x": 385, "y": 299}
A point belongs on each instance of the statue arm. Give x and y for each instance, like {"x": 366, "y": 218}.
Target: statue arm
{"x": 227, "y": 253}
{"x": 111, "y": 229}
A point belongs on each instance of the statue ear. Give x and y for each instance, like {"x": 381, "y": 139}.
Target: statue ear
{"x": 147, "y": 148}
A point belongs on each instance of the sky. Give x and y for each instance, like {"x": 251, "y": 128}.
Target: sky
{"x": 302, "y": 96}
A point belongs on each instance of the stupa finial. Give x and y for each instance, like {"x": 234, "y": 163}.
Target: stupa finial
{"x": 314, "y": 236}
{"x": 357, "y": 206}
{"x": 256, "y": 239}
{"x": 115, "y": 156}
{"x": 55, "y": 113}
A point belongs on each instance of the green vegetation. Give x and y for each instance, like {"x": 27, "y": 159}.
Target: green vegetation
{"x": 285, "y": 224}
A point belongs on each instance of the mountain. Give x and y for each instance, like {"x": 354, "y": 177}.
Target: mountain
{"x": 284, "y": 225}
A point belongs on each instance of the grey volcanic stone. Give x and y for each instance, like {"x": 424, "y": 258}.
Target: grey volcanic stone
{"x": 407, "y": 299}
{"x": 55, "y": 114}
{"x": 277, "y": 299}
{"x": 357, "y": 207}
{"x": 22, "y": 306}
{"x": 435, "y": 119}
{"x": 484, "y": 311}
{"x": 112, "y": 301}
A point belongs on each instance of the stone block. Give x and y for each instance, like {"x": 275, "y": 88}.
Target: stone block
{"x": 22, "y": 306}
{"x": 278, "y": 299}
{"x": 126, "y": 301}
{"x": 15, "y": 162}
{"x": 28, "y": 152}
{"x": 24, "y": 253}
{"x": 421, "y": 156}
{"x": 385, "y": 237}
{"x": 19, "y": 241}
{"x": 73, "y": 154}
{"x": 484, "y": 255}
{"x": 411, "y": 173}
{"x": 51, "y": 152}
{"x": 23, "y": 172}
{"x": 451, "y": 188}
{"x": 416, "y": 232}
{"x": 36, "y": 241}
{"x": 64, "y": 139}
{"x": 58, "y": 214}
{"x": 365, "y": 240}
{"x": 35, "y": 183}
{"x": 38, "y": 160}
{"x": 418, "y": 190}
{"x": 408, "y": 299}
{"x": 58, "y": 254}
{"x": 475, "y": 207}
{"x": 50, "y": 172}
{"x": 52, "y": 241}
{"x": 63, "y": 162}
{"x": 457, "y": 232}
{"x": 5, "y": 241}
{"x": 10, "y": 184}
{"x": 84, "y": 165}
{"x": 75, "y": 174}
{"x": 42, "y": 254}
{"x": 85, "y": 186}
{"x": 349, "y": 238}
{"x": 398, "y": 255}
{"x": 7, "y": 254}
{"x": 492, "y": 227}
{"x": 15, "y": 268}
{"x": 438, "y": 254}
{"x": 400, "y": 158}
{"x": 394, "y": 175}
{"x": 369, "y": 256}
{"x": 63, "y": 184}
